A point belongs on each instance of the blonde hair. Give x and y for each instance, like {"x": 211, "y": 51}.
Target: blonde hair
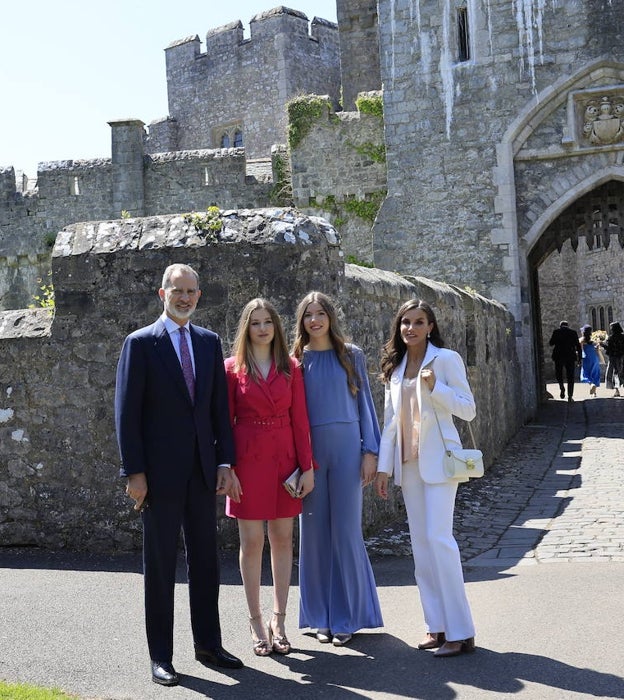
{"x": 242, "y": 346}
{"x": 336, "y": 336}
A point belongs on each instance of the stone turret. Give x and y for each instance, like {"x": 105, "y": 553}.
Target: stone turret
{"x": 127, "y": 161}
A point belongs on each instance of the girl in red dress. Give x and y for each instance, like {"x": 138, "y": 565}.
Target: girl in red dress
{"x": 272, "y": 438}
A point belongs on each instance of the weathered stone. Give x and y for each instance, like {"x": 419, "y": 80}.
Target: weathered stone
{"x": 58, "y": 454}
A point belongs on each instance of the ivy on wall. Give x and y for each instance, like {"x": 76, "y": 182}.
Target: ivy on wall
{"x": 365, "y": 209}
{"x": 370, "y": 104}
{"x": 303, "y": 112}
{"x": 281, "y": 192}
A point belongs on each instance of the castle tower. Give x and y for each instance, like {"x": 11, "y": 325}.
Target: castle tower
{"x": 359, "y": 48}
{"x": 505, "y": 142}
{"x": 234, "y": 94}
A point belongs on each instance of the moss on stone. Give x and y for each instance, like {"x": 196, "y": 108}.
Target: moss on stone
{"x": 303, "y": 112}
{"x": 370, "y": 104}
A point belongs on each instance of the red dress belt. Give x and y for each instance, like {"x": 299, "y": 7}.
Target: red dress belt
{"x": 282, "y": 421}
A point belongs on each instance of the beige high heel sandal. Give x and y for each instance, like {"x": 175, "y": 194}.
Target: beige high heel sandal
{"x": 279, "y": 643}
{"x": 261, "y": 647}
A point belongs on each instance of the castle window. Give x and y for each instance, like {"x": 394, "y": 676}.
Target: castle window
{"x": 74, "y": 186}
{"x": 593, "y": 318}
{"x": 238, "y": 138}
{"x": 602, "y": 317}
{"x": 225, "y": 141}
{"x": 463, "y": 35}
{"x": 609, "y": 315}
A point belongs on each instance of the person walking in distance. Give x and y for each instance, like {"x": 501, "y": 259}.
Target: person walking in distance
{"x": 614, "y": 347}
{"x": 566, "y": 355}
{"x": 176, "y": 446}
{"x": 590, "y": 366}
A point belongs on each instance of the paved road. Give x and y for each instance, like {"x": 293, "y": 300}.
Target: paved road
{"x": 542, "y": 537}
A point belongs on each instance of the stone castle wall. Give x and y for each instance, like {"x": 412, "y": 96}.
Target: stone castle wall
{"x": 339, "y": 169}
{"x": 90, "y": 190}
{"x": 245, "y": 83}
{"x": 58, "y": 454}
{"x": 466, "y": 140}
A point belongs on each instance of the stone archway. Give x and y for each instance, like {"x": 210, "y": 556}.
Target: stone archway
{"x": 576, "y": 267}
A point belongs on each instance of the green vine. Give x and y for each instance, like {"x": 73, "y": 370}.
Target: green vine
{"x": 370, "y": 104}
{"x": 303, "y": 111}
{"x": 209, "y": 223}
{"x": 281, "y": 192}
{"x": 356, "y": 261}
{"x": 45, "y": 300}
{"x": 366, "y": 208}
{"x": 373, "y": 151}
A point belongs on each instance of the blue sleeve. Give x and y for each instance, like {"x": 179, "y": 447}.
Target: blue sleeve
{"x": 369, "y": 426}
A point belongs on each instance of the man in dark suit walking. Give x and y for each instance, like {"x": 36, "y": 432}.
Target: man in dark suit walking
{"x": 566, "y": 354}
{"x": 175, "y": 441}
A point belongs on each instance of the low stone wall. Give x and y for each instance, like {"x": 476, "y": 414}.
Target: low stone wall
{"x": 58, "y": 453}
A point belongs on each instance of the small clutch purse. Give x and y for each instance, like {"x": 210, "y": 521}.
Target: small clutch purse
{"x": 292, "y": 483}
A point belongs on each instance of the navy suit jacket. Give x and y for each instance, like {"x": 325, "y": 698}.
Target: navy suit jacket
{"x": 159, "y": 429}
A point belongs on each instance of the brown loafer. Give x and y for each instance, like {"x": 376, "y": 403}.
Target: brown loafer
{"x": 432, "y": 640}
{"x": 461, "y": 646}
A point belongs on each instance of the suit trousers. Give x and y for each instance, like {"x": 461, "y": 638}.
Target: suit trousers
{"x": 570, "y": 369}
{"x": 437, "y": 563}
{"x": 191, "y": 507}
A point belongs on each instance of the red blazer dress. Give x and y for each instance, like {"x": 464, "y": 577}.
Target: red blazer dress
{"x": 271, "y": 439}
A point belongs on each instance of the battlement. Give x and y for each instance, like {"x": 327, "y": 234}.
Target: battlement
{"x": 263, "y": 26}
{"x": 284, "y": 56}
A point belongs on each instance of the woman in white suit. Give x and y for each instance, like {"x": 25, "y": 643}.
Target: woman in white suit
{"x": 421, "y": 377}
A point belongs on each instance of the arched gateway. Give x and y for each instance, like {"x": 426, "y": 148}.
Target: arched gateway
{"x": 498, "y": 137}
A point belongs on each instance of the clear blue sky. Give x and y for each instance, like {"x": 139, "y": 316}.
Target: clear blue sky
{"x": 67, "y": 67}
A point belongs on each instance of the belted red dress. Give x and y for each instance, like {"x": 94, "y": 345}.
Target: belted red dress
{"x": 271, "y": 437}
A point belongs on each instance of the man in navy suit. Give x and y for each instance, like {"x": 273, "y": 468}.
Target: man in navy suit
{"x": 566, "y": 354}
{"x": 175, "y": 441}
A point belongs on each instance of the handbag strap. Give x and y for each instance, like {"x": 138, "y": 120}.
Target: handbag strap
{"x": 435, "y": 413}
{"x": 474, "y": 443}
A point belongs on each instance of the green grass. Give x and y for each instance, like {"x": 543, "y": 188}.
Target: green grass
{"x": 23, "y": 691}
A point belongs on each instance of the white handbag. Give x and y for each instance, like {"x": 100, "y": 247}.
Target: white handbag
{"x": 459, "y": 463}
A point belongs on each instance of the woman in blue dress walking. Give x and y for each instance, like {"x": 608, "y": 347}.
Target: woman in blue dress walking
{"x": 590, "y": 369}
{"x": 337, "y": 585}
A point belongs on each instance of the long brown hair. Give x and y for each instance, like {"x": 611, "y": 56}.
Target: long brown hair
{"x": 336, "y": 336}
{"x": 242, "y": 346}
{"x": 394, "y": 349}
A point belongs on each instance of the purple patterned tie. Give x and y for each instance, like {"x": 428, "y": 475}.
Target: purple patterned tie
{"x": 187, "y": 365}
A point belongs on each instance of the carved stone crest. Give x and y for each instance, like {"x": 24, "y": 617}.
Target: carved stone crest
{"x": 603, "y": 120}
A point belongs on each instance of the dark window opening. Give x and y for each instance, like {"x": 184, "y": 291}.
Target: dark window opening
{"x": 238, "y": 139}
{"x": 463, "y": 35}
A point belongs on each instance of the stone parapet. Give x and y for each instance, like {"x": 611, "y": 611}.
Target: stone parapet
{"x": 58, "y": 455}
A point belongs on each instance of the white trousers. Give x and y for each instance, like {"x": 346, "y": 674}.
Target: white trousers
{"x": 437, "y": 564}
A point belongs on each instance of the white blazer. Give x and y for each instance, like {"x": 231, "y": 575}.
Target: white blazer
{"x": 451, "y": 396}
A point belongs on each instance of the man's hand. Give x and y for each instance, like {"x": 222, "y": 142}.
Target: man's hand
{"x": 136, "y": 488}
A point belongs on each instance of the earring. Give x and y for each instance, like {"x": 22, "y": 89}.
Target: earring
{"x": 428, "y": 336}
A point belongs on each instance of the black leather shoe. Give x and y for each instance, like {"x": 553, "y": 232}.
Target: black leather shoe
{"x": 163, "y": 673}
{"x": 218, "y": 657}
